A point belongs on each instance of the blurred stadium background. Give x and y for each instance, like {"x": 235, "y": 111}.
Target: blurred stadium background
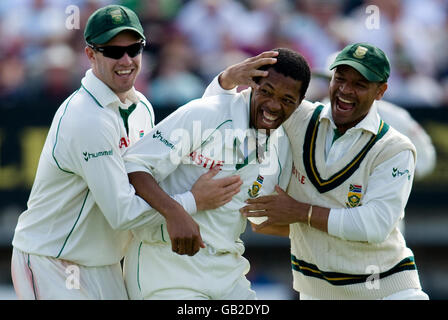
{"x": 42, "y": 61}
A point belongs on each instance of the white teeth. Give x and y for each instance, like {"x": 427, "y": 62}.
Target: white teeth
{"x": 269, "y": 116}
{"x": 124, "y": 71}
{"x": 345, "y": 101}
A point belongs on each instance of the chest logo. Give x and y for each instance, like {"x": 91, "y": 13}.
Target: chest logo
{"x": 354, "y": 196}
{"x": 254, "y": 190}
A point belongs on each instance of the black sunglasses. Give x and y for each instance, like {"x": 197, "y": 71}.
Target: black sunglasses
{"x": 116, "y": 52}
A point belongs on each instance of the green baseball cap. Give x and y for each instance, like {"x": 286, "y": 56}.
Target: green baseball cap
{"x": 105, "y": 23}
{"x": 368, "y": 60}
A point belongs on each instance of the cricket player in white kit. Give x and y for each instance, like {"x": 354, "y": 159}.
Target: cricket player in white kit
{"x": 69, "y": 242}
{"x": 208, "y": 132}
{"x": 352, "y": 176}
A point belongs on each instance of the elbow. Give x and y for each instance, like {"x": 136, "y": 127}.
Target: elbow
{"x": 379, "y": 231}
{"x": 378, "y": 238}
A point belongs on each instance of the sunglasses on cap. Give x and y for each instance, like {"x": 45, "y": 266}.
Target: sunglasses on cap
{"x": 116, "y": 52}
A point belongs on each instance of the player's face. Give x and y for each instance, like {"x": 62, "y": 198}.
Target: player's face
{"x": 351, "y": 96}
{"x": 275, "y": 100}
{"x": 118, "y": 74}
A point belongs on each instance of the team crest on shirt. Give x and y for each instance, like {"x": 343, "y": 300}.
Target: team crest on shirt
{"x": 354, "y": 196}
{"x": 141, "y": 133}
{"x": 256, "y": 187}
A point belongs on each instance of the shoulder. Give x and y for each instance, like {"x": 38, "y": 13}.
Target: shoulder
{"x": 141, "y": 97}
{"x": 213, "y": 108}
{"x": 303, "y": 112}
{"x": 81, "y": 115}
{"x": 395, "y": 139}
{"x": 393, "y": 143}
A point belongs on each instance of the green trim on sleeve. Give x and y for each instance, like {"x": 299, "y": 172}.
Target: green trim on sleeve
{"x": 32, "y": 277}
{"x": 161, "y": 231}
{"x": 57, "y": 133}
{"x": 138, "y": 267}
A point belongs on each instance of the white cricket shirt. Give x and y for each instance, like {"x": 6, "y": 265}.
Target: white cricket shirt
{"x": 81, "y": 202}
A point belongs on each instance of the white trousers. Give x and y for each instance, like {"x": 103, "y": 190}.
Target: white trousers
{"x": 43, "y": 278}
{"x": 408, "y": 294}
{"x": 154, "y": 272}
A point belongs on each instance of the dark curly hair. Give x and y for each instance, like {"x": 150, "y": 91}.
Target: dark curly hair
{"x": 291, "y": 64}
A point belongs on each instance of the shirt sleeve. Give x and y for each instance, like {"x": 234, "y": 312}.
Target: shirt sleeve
{"x": 164, "y": 148}
{"x": 99, "y": 162}
{"x": 170, "y": 143}
{"x": 383, "y": 204}
{"x": 214, "y": 88}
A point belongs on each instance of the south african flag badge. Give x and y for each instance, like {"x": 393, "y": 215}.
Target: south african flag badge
{"x": 256, "y": 187}
{"x": 354, "y": 196}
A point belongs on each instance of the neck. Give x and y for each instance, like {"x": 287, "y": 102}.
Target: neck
{"x": 342, "y": 128}
{"x": 123, "y": 96}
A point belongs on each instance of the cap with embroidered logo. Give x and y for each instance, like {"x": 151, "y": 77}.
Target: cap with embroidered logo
{"x": 105, "y": 23}
{"x": 368, "y": 60}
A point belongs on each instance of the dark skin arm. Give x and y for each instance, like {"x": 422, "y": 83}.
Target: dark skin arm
{"x": 282, "y": 210}
{"x": 209, "y": 194}
{"x": 183, "y": 230}
{"x": 272, "y": 230}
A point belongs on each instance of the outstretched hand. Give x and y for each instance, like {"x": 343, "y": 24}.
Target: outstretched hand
{"x": 280, "y": 209}
{"x": 242, "y": 74}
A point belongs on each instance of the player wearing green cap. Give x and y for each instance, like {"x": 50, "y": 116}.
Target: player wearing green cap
{"x": 352, "y": 176}
{"x": 69, "y": 242}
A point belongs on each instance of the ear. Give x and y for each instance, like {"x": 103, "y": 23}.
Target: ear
{"x": 90, "y": 54}
{"x": 381, "y": 90}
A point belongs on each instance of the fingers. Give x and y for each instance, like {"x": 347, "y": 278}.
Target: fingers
{"x": 254, "y": 210}
{"x": 265, "y": 54}
{"x": 262, "y": 199}
{"x": 227, "y": 181}
{"x": 279, "y": 190}
{"x": 211, "y": 173}
{"x": 188, "y": 246}
{"x": 261, "y": 62}
{"x": 233, "y": 188}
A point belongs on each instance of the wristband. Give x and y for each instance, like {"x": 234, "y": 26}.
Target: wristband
{"x": 310, "y": 212}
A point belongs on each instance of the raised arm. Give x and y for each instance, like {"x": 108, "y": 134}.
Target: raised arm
{"x": 241, "y": 74}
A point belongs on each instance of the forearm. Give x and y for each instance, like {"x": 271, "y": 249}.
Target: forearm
{"x": 273, "y": 230}
{"x": 282, "y": 209}
{"x": 147, "y": 188}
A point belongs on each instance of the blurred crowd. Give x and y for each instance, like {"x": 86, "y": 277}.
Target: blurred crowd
{"x": 190, "y": 41}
